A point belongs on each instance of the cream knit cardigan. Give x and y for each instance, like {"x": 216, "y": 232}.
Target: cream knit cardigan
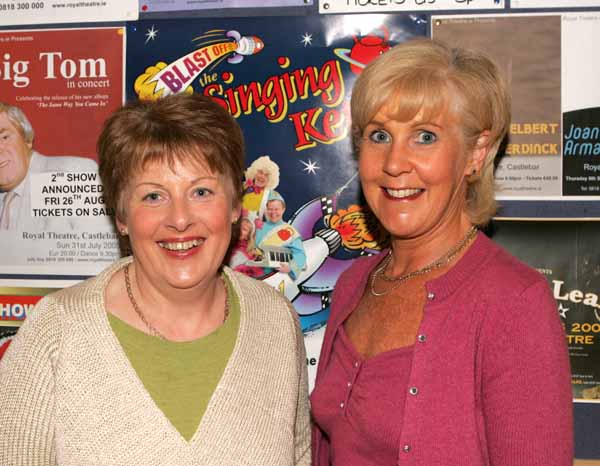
{"x": 70, "y": 397}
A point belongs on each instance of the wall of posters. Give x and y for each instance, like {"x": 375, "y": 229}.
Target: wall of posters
{"x": 65, "y": 82}
{"x": 288, "y": 80}
{"x": 17, "y": 12}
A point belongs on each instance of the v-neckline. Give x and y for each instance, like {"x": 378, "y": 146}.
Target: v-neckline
{"x": 132, "y": 376}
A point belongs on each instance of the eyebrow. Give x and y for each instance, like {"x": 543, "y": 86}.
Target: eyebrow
{"x": 417, "y": 123}
{"x": 194, "y": 181}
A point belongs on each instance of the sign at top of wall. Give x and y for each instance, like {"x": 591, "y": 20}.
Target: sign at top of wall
{"x": 150, "y": 6}
{"x": 14, "y": 13}
{"x": 383, "y": 6}
{"x": 554, "y": 4}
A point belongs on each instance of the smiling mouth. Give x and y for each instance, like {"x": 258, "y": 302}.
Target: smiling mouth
{"x": 180, "y": 245}
{"x": 403, "y": 193}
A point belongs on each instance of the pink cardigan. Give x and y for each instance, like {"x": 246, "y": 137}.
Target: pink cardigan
{"x": 490, "y": 366}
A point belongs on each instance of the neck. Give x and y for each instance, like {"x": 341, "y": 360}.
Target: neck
{"x": 410, "y": 254}
{"x": 180, "y": 314}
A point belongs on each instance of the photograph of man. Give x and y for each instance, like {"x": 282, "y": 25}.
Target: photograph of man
{"x": 277, "y": 233}
{"x": 18, "y": 161}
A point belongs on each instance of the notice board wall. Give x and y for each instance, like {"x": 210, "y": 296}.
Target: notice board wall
{"x": 549, "y": 178}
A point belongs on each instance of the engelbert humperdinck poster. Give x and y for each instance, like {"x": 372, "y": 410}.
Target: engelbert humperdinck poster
{"x": 57, "y": 87}
{"x": 553, "y": 149}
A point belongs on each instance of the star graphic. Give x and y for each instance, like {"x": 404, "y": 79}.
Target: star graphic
{"x": 563, "y": 311}
{"x": 310, "y": 166}
{"x": 151, "y": 34}
{"x": 307, "y": 39}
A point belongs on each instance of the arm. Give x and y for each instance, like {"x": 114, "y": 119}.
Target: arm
{"x": 302, "y": 454}
{"x": 526, "y": 383}
{"x": 27, "y": 388}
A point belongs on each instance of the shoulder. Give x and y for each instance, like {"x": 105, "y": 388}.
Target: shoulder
{"x": 63, "y": 162}
{"x": 84, "y": 302}
{"x": 261, "y": 301}
{"x": 508, "y": 274}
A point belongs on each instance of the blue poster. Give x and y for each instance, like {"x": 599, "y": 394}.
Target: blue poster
{"x": 287, "y": 81}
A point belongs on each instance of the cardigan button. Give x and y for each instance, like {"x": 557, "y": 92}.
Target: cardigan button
{"x": 430, "y": 296}
{"x": 422, "y": 338}
{"x": 406, "y": 448}
{"x": 413, "y": 390}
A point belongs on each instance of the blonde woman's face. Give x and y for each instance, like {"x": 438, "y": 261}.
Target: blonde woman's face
{"x": 413, "y": 172}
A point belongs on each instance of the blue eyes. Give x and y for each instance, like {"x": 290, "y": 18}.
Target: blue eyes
{"x": 380, "y": 136}
{"x": 426, "y": 137}
{"x": 154, "y": 197}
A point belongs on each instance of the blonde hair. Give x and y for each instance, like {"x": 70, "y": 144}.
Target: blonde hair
{"x": 265, "y": 164}
{"x": 424, "y": 75}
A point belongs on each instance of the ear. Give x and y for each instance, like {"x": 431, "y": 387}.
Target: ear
{"x": 121, "y": 227}
{"x": 478, "y": 154}
{"x": 236, "y": 212}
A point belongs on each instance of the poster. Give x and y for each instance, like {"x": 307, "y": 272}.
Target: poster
{"x": 15, "y": 304}
{"x": 64, "y": 82}
{"x": 566, "y": 253}
{"x": 415, "y": 6}
{"x": 18, "y": 12}
{"x": 290, "y": 94}
{"x": 151, "y": 6}
{"x": 552, "y": 149}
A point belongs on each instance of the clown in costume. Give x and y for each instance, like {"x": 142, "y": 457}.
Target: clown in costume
{"x": 276, "y": 232}
{"x": 261, "y": 177}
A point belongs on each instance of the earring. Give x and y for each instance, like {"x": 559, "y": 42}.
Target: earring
{"x": 123, "y": 232}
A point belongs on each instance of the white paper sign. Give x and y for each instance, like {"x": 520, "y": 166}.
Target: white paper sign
{"x": 383, "y": 6}
{"x": 553, "y": 4}
{"x": 16, "y": 12}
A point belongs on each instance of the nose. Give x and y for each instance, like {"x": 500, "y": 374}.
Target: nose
{"x": 181, "y": 216}
{"x": 398, "y": 160}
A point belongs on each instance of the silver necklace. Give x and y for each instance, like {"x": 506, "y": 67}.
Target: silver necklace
{"x": 153, "y": 331}
{"x": 439, "y": 262}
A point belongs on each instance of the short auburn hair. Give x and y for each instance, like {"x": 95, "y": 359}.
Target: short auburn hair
{"x": 177, "y": 128}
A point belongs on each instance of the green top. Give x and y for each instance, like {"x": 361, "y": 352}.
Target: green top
{"x": 181, "y": 376}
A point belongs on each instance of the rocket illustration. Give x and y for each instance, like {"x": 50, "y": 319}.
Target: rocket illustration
{"x": 246, "y": 45}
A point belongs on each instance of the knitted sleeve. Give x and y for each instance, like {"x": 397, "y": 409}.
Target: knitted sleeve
{"x": 526, "y": 383}
{"x": 302, "y": 429}
{"x": 27, "y": 387}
